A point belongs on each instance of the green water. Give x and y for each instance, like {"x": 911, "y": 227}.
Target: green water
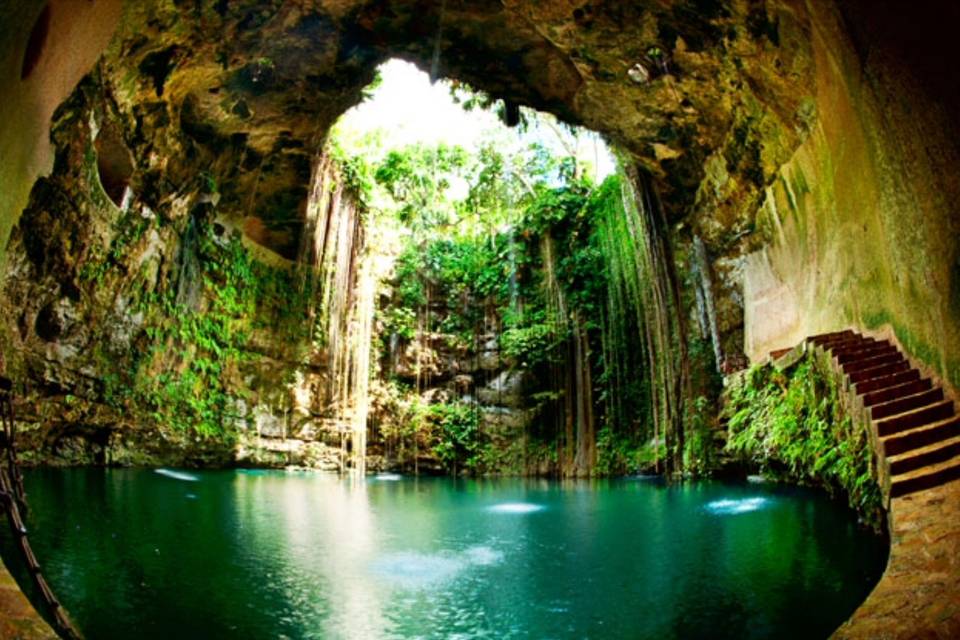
{"x": 235, "y": 554}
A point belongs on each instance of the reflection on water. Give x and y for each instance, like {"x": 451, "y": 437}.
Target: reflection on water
{"x": 516, "y": 507}
{"x": 301, "y": 555}
{"x": 411, "y": 569}
{"x": 730, "y": 507}
{"x": 177, "y": 475}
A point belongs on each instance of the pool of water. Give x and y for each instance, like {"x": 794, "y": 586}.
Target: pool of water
{"x": 257, "y": 554}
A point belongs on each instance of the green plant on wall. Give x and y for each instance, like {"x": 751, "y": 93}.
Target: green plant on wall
{"x": 459, "y": 440}
{"x": 791, "y": 424}
{"x": 184, "y": 373}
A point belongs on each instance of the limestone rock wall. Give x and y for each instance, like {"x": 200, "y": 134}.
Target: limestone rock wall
{"x": 45, "y": 49}
{"x": 155, "y": 333}
{"x": 861, "y": 223}
{"x": 433, "y": 368}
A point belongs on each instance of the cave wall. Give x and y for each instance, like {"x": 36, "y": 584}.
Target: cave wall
{"x": 862, "y": 223}
{"x": 157, "y": 336}
{"x": 45, "y": 49}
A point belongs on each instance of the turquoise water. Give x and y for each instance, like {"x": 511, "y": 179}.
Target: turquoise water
{"x": 254, "y": 554}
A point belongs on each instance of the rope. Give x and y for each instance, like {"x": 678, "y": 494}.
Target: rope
{"x": 14, "y": 501}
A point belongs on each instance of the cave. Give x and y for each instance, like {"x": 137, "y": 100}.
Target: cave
{"x": 114, "y": 166}
{"x": 788, "y": 178}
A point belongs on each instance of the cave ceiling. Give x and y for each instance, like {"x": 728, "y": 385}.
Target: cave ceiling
{"x": 709, "y": 97}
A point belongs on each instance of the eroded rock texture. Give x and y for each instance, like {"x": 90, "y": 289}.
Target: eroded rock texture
{"x": 710, "y": 97}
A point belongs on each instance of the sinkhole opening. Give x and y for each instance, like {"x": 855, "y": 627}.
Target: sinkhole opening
{"x": 487, "y": 244}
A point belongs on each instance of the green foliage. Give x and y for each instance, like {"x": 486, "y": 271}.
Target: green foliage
{"x": 530, "y": 346}
{"x": 791, "y": 424}
{"x": 461, "y": 273}
{"x": 619, "y": 453}
{"x": 355, "y": 171}
{"x": 699, "y": 448}
{"x": 185, "y": 374}
{"x": 556, "y": 208}
{"x": 401, "y": 321}
{"x": 418, "y": 178}
{"x": 128, "y": 232}
{"x": 449, "y": 432}
{"x": 459, "y": 439}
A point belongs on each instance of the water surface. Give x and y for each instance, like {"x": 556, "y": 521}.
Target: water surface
{"x": 257, "y": 554}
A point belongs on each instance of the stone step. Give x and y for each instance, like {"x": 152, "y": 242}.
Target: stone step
{"x": 846, "y": 357}
{"x": 915, "y": 418}
{"x": 920, "y": 437}
{"x": 871, "y": 351}
{"x": 873, "y": 361}
{"x": 851, "y": 339}
{"x": 776, "y": 354}
{"x": 878, "y": 370}
{"x": 931, "y": 454}
{"x": 846, "y": 344}
{"x": 894, "y": 393}
{"x": 906, "y": 403}
{"x": 883, "y": 382}
{"x": 827, "y": 336}
{"x": 925, "y": 478}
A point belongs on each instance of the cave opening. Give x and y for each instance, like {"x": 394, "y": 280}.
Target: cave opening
{"x": 114, "y": 165}
{"x": 478, "y": 220}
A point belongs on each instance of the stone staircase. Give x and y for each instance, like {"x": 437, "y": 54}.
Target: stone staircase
{"x": 915, "y": 427}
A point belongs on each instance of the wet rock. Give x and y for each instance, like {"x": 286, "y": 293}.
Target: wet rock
{"x": 505, "y": 422}
{"x": 436, "y": 395}
{"x": 508, "y": 389}
{"x": 267, "y": 424}
{"x": 462, "y": 384}
{"x": 55, "y": 320}
{"x": 489, "y": 357}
